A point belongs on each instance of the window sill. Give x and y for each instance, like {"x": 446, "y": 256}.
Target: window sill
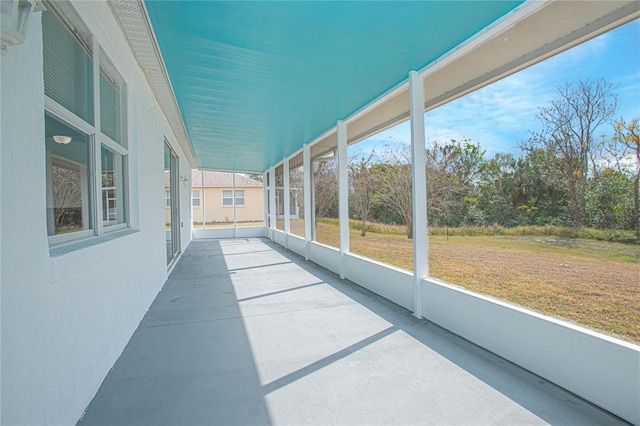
{"x": 71, "y": 258}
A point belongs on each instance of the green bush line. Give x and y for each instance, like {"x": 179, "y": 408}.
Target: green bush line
{"x": 616, "y": 236}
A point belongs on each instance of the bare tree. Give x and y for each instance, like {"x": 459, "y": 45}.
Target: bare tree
{"x": 363, "y": 184}
{"x": 568, "y": 126}
{"x": 296, "y": 184}
{"x": 396, "y": 182}
{"x": 67, "y": 194}
{"x": 325, "y": 188}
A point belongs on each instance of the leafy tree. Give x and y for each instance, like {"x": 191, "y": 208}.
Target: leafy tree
{"x": 380, "y": 210}
{"x": 452, "y": 171}
{"x": 542, "y": 192}
{"x": 610, "y": 200}
{"x": 500, "y": 194}
{"x": 628, "y": 135}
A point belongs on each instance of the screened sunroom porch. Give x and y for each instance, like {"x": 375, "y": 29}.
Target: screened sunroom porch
{"x": 276, "y": 92}
{"x": 492, "y": 53}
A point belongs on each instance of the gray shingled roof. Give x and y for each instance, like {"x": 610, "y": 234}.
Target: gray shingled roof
{"x": 218, "y": 180}
{"x": 222, "y": 180}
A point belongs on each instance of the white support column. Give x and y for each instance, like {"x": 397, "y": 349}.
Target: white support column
{"x": 272, "y": 201}
{"x": 287, "y": 201}
{"x": 419, "y": 188}
{"x": 308, "y": 199}
{"x": 343, "y": 194}
{"x": 235, "y": 216}
{"x": 203, "y": 204}
{"x": 265, "y": 204}
{"x": 96, "y": 148}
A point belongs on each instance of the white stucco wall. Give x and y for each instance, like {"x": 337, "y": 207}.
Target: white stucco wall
{"x": 63, "y": 327}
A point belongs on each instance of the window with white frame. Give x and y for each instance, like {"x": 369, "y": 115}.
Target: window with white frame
{"x": 227, "y": 198}
{"x": 167, "y": 198}
{"x": 85, "y": 144}
{"x": 239, "y": 197}
{"x": 195, "y": 198}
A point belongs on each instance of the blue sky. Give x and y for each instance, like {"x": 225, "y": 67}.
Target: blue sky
{"x": 501, "y": 115}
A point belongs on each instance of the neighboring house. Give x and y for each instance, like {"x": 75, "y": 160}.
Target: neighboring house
{"x": 216, "y": 196}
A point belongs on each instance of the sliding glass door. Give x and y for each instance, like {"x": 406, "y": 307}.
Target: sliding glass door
{"x": 171, "y": 206}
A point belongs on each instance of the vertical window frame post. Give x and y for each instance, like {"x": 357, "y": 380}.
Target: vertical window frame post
{"x": 308, "y": 201}
{"x": 235, "y": 216}
{"x": 96, "y": 144}
{"x": 272, "y": 202}
{"x": 419, "y": 190}
{"x": 265, "y": 204}
{"x": 286, "y": 202}
{"x": 343, "y": 194}
{"x": 202, "y": 201}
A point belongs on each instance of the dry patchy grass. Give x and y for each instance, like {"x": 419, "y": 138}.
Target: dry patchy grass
{"x": 592, "y": 283}
{"x": 297, "y": 227}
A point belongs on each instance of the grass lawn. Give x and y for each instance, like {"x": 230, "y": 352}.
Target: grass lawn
{"x": 297, "y": 227}
{"x": 592, "y": 283}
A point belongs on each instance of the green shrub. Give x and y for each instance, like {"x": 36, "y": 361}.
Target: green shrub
{"x": 610, "y": 235}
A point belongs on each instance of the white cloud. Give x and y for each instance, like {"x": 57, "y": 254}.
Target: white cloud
{"x": 503, "y": 114}
{"x": 498, "y": 116}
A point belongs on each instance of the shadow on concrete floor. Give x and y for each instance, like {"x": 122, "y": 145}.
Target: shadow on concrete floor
{"x": 245, "y": 332}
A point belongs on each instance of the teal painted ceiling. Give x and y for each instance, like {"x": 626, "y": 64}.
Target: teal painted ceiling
{"x": 256, "y": 80}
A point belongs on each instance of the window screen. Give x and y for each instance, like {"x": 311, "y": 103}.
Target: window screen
{"x": 240, "y": 198}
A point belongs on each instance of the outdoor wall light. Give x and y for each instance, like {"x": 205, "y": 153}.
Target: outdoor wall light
{"x": 15, "y": 20}
{"x": 62, "y": 140}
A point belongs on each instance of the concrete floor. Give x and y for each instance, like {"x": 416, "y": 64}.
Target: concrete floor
{"x": 247, "y": 333}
